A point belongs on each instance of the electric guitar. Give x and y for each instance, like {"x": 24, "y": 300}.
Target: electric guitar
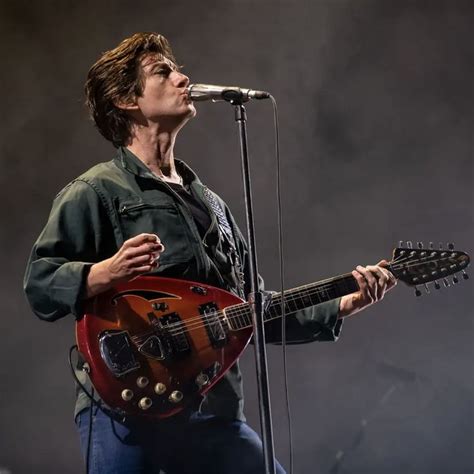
{"x": 153, "y": 344}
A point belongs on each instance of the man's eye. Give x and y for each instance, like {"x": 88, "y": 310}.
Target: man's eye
{"x": 163, "y": 71}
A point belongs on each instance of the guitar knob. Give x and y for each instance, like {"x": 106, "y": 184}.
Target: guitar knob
{"x": 145, "y": 403}
{"x": 160, "y": 388}
{"x": 202, "y": 379}
{"x": 176, "y": 396}
{"x": 142, "y": 382}
{"x": 127, "y": 394}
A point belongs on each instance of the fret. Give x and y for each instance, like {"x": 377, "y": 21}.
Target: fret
{"x": 242, "y": 317}
{"x": 296, "y": 299}
{"x": 237, "y": 316}
{"x": 230, "y": 317}
{"x": 291, "y": 304}
{"x": 274, "y": 308}
{"x": 247, "y": 317}
{"x": 316, "y": 297}
{"x": 236, "y": 319}
{"x": 306, "y": 298}
{"x": 325, "y": 294}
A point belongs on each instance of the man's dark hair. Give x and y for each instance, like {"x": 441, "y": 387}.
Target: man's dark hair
{"x": 117, "y": 77}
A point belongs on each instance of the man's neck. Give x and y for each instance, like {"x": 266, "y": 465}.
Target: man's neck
{"x": 156, "y": 151}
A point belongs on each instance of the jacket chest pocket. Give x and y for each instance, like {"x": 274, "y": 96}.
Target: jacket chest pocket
{"x": 164, "y": 220}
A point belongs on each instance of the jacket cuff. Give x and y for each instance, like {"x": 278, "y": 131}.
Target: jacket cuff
{"x": 323, "y": 321}
{"x": 63, "y": 290}
{"x": 71, "y": 288}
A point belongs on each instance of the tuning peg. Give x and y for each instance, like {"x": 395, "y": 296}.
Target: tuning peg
{"x": 455, "y": 279}
{"x": 465, "y": 275}
{"x": 451, "y": 246}
{"x": 437, "y": 285}
{"x": 419, "y": 245}
{"x": 417, "y": 291}
{"x": 401, "y": 244}
{"x": 409, "y": 244}
{"x": 427, "y": 288}
{"x": 431, "y": 246}
{"x": 440, "y": 246}
{"x": 446, "y": 282}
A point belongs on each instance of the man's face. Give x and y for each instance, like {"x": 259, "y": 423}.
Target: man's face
{"x": 164, "y": 99}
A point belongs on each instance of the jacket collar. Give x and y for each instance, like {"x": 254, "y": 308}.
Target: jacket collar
{"x": 134, "y": 165}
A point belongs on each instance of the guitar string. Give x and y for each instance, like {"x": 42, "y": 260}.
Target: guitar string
{"x": 243, "y": 312}
{"x": 239, "y": 316}
{"x": 194, "y": 323}
{"x": 289, "y": 298}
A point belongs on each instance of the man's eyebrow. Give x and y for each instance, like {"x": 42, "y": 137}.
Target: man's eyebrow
{"x": 171, "y": 65}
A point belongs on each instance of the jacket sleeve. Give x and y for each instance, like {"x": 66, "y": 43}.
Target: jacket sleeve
{"x": 317, "y": 323}
{"x": 72, "y": 240}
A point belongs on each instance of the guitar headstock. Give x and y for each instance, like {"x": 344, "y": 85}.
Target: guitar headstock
{"x": 419, "y": 266}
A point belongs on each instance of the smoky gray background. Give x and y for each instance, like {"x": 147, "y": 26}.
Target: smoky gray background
{"x": 375, "y": 101}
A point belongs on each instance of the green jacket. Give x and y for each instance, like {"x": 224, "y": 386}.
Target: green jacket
{"x": 114, "y": 201}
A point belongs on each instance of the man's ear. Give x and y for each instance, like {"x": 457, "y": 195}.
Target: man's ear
{"x": 126, "y": 104}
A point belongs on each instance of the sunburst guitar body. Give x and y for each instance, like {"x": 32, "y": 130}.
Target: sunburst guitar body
{"x": 154, "y": 344}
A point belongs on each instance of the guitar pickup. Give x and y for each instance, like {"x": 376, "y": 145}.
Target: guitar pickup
{"x": 174, "y": 331}
{"x": 213, "y": 323}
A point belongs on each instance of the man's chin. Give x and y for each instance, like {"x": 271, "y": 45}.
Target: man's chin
{"x": 184, "y": 118}
{"x": 192, "y": 111}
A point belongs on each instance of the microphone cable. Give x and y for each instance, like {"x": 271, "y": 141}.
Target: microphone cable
{"x": 282, "y": 279}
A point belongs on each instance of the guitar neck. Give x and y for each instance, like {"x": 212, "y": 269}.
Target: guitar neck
{"x": 295, "y": 299}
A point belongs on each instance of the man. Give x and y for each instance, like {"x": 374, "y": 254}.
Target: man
{"x": 147, "y": 212}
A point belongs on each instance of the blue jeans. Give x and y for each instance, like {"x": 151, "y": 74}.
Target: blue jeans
{"x": 200, "y": 445}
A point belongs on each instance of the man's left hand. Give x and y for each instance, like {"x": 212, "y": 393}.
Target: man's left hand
{"x": 374, "y": 281}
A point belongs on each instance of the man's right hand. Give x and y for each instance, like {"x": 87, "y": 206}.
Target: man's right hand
{"x": 137, "y": 256}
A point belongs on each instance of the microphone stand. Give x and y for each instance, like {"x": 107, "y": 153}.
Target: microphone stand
{"x": 257, "y": 300}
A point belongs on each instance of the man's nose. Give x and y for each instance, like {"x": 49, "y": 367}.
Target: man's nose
{"x": 181, "y": 79}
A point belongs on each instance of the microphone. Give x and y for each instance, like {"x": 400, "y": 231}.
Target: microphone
{"x": 201, "y": 92}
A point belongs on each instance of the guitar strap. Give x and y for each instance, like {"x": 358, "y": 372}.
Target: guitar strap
{"x": 228, "y": 234}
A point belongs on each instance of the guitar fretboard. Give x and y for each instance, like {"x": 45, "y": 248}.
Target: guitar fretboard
{"x": 240, "y": 316}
